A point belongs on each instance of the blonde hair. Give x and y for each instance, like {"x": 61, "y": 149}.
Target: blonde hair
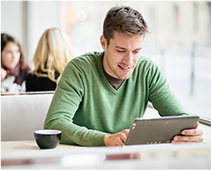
{"x": 54, "y": 51}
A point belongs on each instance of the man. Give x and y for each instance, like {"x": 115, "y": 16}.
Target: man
{"x": 100, "y": 93}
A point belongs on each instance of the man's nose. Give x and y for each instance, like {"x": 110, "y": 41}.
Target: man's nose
{"x": 128, "y": 59}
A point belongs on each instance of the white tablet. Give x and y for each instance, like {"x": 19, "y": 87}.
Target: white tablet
{"x": 158, "y": 130}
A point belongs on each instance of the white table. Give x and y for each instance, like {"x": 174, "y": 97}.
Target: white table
{"x": 27, "y": 155}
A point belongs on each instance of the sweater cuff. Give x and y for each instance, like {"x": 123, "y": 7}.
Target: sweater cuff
{"x": 98, "y": 140}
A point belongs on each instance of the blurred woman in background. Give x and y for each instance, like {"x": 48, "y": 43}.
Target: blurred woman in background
{"x": 14, "y": 68}
{"x": 54, "y": 51}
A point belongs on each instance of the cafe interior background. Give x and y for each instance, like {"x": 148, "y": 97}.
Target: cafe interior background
{"x": 179, "y": 40}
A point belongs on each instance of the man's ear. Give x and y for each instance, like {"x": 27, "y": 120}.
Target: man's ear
{"x": 103, "y": 42}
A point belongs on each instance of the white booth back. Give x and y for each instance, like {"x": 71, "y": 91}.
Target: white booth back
{"x": 22, "y": 114}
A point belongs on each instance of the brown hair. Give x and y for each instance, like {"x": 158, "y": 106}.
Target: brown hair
{"x": 5, "y": 38}
{"x": 124, "y": 20}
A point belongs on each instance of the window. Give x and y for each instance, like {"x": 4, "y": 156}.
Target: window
{"x": 177, "y": 17}
{"x": 183, "y": 54}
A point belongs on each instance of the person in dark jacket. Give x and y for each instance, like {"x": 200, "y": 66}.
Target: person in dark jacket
{"x": 54, "y": 51}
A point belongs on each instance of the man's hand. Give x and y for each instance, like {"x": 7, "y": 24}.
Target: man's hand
{"x": 116, "y": 139}
{"x": 189, "y": 135}
{"x": 3, "y": 73}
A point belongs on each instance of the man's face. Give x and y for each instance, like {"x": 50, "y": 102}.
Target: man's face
{"x": 122, "y": 54}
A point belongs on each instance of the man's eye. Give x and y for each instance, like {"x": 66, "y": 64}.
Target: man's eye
{"x": 135, "y": 52}
{"x": 120, "y": 51}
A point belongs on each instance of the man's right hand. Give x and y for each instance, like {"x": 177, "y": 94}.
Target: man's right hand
{"x": 117, "y": 139}
{"x": 3, "y": 73}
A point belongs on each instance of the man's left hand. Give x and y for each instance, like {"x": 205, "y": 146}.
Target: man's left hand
{"x": 189, "y": 135}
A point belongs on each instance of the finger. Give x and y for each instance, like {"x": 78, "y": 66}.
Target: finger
{"x": 119, "y": 141}
{"x": 126, "y": 131}
{"x": 192, "y": 132}
{"x": 123, "y": 137}
{"x": 181, "y": 142}
{"x": 179, "y": 139}
{"x": 197, "y": 125}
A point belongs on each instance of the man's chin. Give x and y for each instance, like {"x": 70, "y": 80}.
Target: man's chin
{"x": 124, "y": 77}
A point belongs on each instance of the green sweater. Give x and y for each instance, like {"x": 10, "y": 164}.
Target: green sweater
{"x": 85, "y": 107}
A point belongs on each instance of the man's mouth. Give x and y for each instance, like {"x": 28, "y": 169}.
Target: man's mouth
{"x": 125, "y": 68}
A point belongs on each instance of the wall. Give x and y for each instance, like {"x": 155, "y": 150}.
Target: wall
{"x": 41, "y": 16}
{"x": 12, "y": 19}
{"x": 27, "y": 20}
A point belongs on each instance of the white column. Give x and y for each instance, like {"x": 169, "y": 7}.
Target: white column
{"x": 41, "y": 15}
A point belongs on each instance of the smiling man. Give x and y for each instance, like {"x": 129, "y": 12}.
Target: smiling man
{"x": 101, "y": 93}
{"x": 121, "y": 55}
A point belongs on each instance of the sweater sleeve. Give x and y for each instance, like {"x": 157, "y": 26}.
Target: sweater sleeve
{"x": 66, "y": 100}
{"x": 161, "y": 96}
